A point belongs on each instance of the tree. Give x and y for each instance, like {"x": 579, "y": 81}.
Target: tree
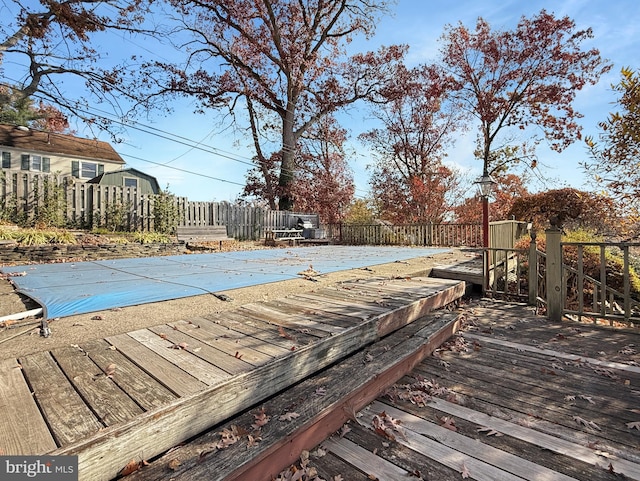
{"x": 418, "y": 124}
{"x": 521, "y": 78}
{"x": 324, "y": 183}
{"x": 570, "y": 207}
{"x": 285, "y": 62}
{"x": 18, "y": 110}
{"x": 48, "y": 41}
{"x": 509, "y": 189}
{"x": 615, "y": 153}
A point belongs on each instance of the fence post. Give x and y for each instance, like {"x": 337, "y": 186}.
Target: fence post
{"x": 533, "y": 270}
{"x": 555, "y": 293}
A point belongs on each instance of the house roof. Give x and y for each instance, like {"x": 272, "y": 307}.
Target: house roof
{"x": 54, "y": 143}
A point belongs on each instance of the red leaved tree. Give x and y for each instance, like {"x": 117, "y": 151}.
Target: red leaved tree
{"x": 283, "y": 62}
{"x": 525, "y": 77}
{"x": 409, "y": 180}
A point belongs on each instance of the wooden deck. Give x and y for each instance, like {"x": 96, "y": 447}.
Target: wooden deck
{"x": 469, "y": 271}
{"x": 130, "y": 397}
{"x": 510, "y": 397}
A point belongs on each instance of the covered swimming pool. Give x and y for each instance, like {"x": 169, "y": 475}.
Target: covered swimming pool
{"x": 66, "y": 289}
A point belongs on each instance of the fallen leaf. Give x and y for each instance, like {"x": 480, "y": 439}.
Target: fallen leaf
{"x": 585, "y": 423}
{"x": 131, "y": 467}
{"x": 448, "y": 423}
{"x": 284, "y": 334}
{"x": 238, "y": 355}
{"x": 174, "y": 464}
{"x": 634, "y": 425}
{"x": 288, "y": 416}
{"x": 489, "y": 432}
{"x": 344, "y": 430}
{"x": 260, "y": 419}
{"x": 96, "y": 318}
{"x": 110, "y": 370}
{"x": 464, "y": 471}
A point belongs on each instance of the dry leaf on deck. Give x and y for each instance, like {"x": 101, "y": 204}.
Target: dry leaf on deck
{"x": 288, "y": 416}
{"x": 131, "y": 467}
{"x": 634, "y": 425}
{"x": 464, "y": 471}
{"x": 448, "y": 423}
{"x": 489, "y": 431}
{"x": 260, "y": 419}
{"x": 110, "y": 370}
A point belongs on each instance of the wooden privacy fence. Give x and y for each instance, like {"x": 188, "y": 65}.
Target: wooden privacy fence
{"x": 25, "y": 196}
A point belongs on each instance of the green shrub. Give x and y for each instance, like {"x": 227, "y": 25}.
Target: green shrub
{"x": 151, "y": 237}
{"x": 32, "y": 237}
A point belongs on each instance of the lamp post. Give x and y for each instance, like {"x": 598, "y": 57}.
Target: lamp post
{"x": 485, "y": 185}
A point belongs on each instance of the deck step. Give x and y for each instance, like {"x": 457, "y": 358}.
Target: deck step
{"x": 302, "y": 416}
{"x": 149, "y": 390}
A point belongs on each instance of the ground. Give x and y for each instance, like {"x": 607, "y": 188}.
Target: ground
{"x": 21, "y": 339}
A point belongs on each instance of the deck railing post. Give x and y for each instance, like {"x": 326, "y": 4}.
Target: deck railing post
{"x": 555, "y": 301}
{"x": 533, "y": 270}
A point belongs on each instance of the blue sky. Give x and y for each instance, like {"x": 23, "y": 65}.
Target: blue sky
{"x": 418, "y": 23}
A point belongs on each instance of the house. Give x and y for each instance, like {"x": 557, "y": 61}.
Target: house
{"x": 24, "y": 149}
{"x": 146, "y": 184}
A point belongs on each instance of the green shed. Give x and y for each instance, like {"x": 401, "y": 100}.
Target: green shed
{"x": 145, "y": 183}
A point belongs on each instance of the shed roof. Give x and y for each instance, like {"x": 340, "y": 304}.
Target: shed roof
{"x": 54, "y": 143}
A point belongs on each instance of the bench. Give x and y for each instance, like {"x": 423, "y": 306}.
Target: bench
{"x": 208, "y": 233}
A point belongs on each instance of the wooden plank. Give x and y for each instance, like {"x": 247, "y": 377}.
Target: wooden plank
{"x": 102, "y": 456}
{"x": 198, "y": 343}
{"x": 111, "y": 405}
{"x": 345, "y": 387}
{"x": 142, "y": 388}
{"x": 174, "y": 378}
{"x": 69, "y": 418}
{"x": 292, "y": 322}
{"x": 544, "y": 441}
{"x": 23, "y": 430}
{"x": 500, "y": 459}
{"x": 561, "y": 355}
{"x": 198, "y": 368}
{"x": 374, "y": 466}
{"x": 252, "y": 326}
{"x": 322, "y": 309}
{"x": 237, "y": 338}
{"x": 294, "y": 307}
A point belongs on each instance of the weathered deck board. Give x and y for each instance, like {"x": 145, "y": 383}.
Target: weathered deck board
{"x": 67, "y": 414}
{"x": 142, "y": 388}
{"x": 171, "y": 376}
{"x": 182, "y": 358}
{"x": 206, "y": 347}
{"x": 323, "y": 403}
{"x": 287, "y": 348}
{"x": 506, "y": 414}
{"x": 23, "y": 429}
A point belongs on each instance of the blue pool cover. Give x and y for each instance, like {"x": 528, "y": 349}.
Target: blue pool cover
{"x": 66, "y": 289}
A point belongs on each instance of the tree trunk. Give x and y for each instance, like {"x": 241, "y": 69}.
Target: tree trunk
{"x": 287, "y": 168}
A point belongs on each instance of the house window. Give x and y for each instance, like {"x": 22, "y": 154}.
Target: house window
{"x": 6, "y": 160}
{"x": 30, "y": 162}
{"x": 86, "y": 170}
{"x": 130, "y": 182}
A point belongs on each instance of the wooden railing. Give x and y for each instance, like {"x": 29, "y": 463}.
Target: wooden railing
{"x": 562, "y": 281}
{"x": 446, "y": 235}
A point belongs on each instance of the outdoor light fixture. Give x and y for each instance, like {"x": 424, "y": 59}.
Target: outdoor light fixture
{"x": 485, "y": 185}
